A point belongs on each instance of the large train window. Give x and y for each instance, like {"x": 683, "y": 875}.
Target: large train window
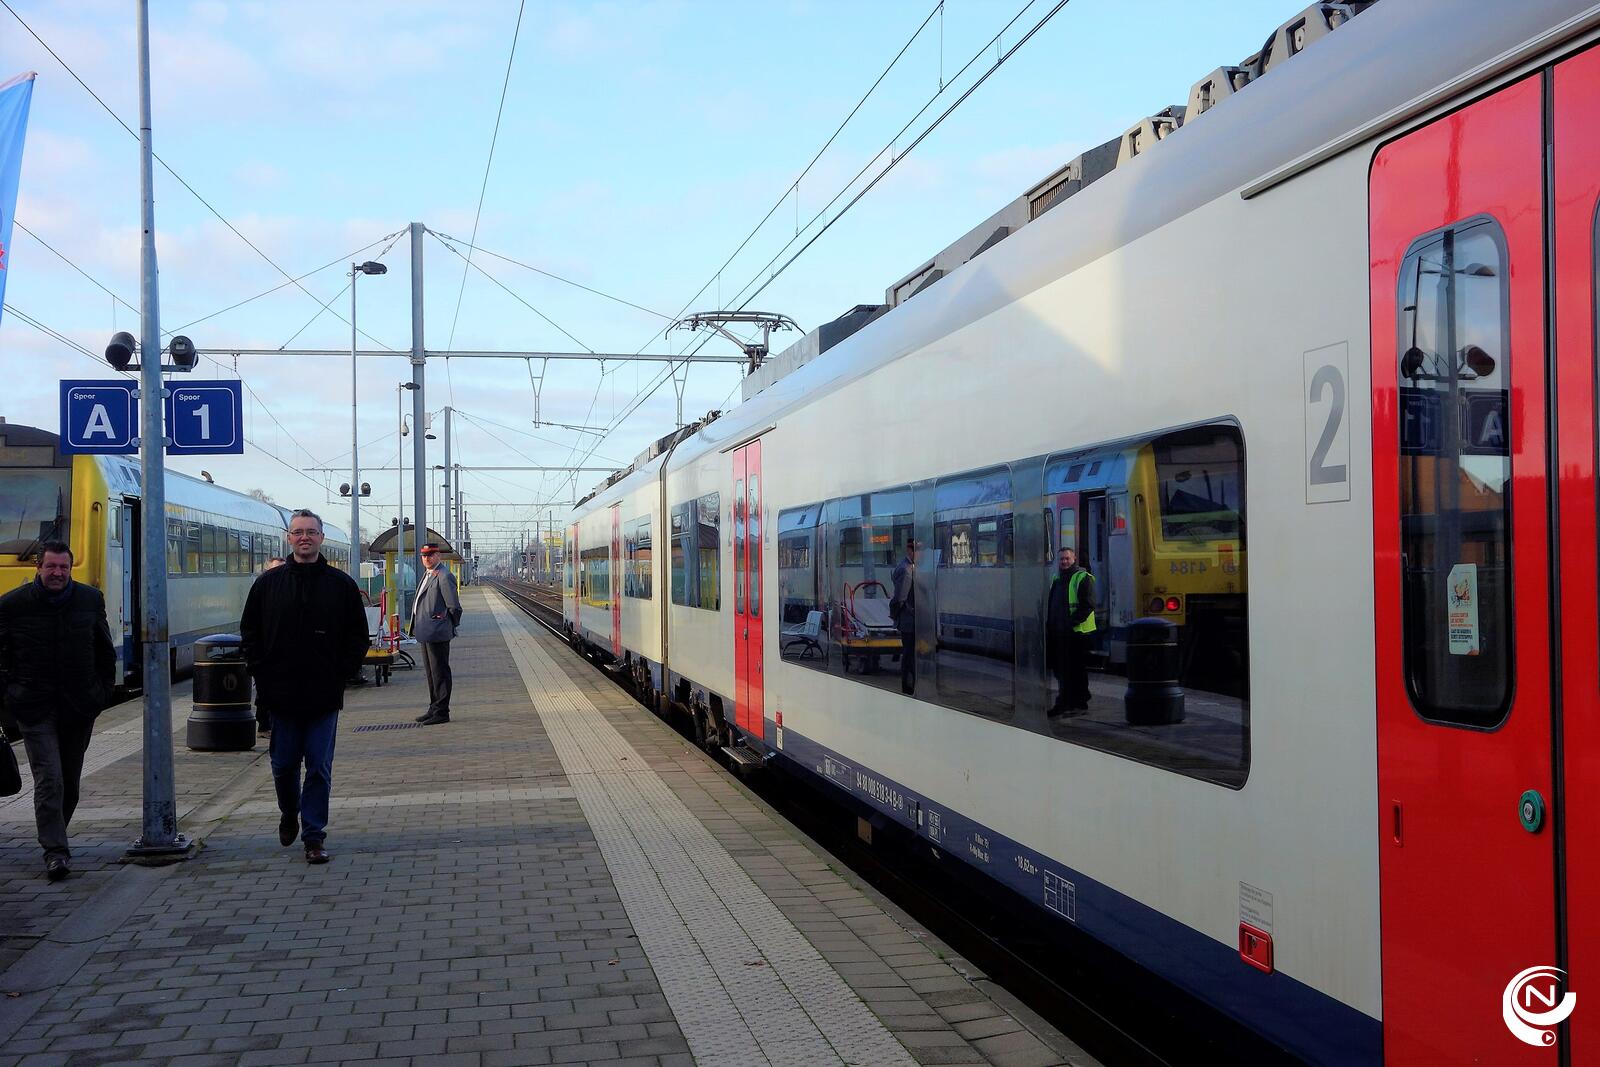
{"x": 866, "y": 537}
{"x": 637, "y": 577}
{"x": 1455, "y": 475}
{"x": 36, "y": 505}
{"x": 1159, "y": 524}
{"x": 697, "y": 553}
{"x": 174, "y": 546}
{"x": 802, "y": 615}
{"x": 974, "y": 651}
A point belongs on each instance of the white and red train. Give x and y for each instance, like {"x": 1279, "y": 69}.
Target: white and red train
{"x": 1353, "y": 304}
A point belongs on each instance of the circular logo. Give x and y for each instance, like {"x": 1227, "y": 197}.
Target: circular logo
{"x": 1530, "y": 1007}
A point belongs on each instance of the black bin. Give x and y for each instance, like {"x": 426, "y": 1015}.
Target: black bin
{"x": 1154, "y": 696}
{"x": 223, "y": 719}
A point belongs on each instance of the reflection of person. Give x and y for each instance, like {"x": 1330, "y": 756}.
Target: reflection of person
{"x": 433, "y": 624}
{"x": 903, "y": 608}
{"x": 1069, "y": 631}
{"x": 59, "y": 665}
{"x": 304, "y": 632}
{"x": 263, "y": 713}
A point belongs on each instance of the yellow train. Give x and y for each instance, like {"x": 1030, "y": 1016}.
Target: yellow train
{"x": 217, "y": 539}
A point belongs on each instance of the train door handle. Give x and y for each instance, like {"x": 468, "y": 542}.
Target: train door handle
{"x": 747, "y": 633}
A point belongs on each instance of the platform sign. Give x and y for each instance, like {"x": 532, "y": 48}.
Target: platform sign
{"x": 205, "y": 419}
{"x": 99, "y": 418}
{"x": 1421, "y": 422}
{"x": 1484, "y": 430}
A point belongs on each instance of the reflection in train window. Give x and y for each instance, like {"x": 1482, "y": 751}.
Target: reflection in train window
{"x": 866, "y": 534}
{"x": 974, "y": 652}
{"x": 802, "y": 616}
{"x": 637, "y": 577}
{"x": 596, "y": 564}
{"x": 696, "y": 553}
{"x": 1160, "y": 523}
{"x": 192, "y": 549}
{"x": 1455, "y": 476}
{"x": 174, "y": 546}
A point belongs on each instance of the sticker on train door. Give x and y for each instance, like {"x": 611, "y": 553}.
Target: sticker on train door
{"x": 1463, "y": 610}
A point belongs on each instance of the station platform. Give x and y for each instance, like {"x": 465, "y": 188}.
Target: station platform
{"x": 554, "y": 876}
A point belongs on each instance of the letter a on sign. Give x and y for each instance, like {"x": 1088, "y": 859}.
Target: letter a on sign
{"x": 99, "y": 423}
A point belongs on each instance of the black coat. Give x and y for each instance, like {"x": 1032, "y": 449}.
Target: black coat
{"x": 1060, "y": 618}
{"x": 304, "y": 634}
{"x": 56, "y": 658}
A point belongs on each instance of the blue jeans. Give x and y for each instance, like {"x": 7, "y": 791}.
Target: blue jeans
{"x": 296, "y": 741}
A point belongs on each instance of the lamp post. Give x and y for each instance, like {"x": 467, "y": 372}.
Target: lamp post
{"x": 400, "y": 391}
{"x": 356, "y": 269}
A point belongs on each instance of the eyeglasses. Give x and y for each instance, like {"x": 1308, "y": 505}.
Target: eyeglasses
{"x": 296, "y": 535}
{"x": 425, "y": 555}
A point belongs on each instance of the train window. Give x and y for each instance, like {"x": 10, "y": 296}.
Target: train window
{"x": 738, "y": 546}
{"x": 974, "y": 653}
{"x": 1160, "y": 528}
{"x": 866, "y": 535}
{"x": 208, "y": 549}
{"x": 36, "y": 506}
{"x": 192, "y": 548}
{"x": 753, "y": 527}
{"x": 803, "y": 622}
{"x": 638, "y": 576}
{"x": 1455, "y": 476}
{"x": 174, "y": 546}
{"x": 708, "y": 519}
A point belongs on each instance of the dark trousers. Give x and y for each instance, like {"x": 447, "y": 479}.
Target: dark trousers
{"x": 908, "y": 661}
{"x": 55, "y": 753}
{"x": 309, "y": 742}
{"x": 436, "y": 661}
{"x": 1070, "y": 665}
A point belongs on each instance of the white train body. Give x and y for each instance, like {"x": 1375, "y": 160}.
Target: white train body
{"x": 1156, "y": 299}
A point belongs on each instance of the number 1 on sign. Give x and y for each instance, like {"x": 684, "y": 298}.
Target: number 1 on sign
{"x": 203, "y": 413}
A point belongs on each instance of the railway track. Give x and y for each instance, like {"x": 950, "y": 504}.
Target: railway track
{"x": 1116, "y": 1011}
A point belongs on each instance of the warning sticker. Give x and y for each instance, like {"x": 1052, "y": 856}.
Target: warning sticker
{"x": 1462, "y": 608}
{"x": 1255, "y": 907}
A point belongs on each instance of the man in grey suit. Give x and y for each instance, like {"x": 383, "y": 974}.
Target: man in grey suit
{"x": 433, "y": 624}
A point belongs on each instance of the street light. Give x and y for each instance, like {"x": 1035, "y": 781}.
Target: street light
{"x": 369, "y": 267}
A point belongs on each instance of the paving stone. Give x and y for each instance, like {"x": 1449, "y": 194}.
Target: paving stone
{"x": 496, "y": 897}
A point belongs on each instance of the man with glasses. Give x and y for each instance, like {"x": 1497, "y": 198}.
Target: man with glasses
{"x": 304, "y": 633}
{"x": 433, "y": 624}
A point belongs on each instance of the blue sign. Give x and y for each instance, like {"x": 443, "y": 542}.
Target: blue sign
{"x": 99, "y": 418}
{"x": 205, "y": 419}
{"x": 15, "y": 95}
{"x": 1421, "y": 422}
{"x": 1485, "y": 431}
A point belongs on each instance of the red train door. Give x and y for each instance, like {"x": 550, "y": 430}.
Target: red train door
{"x": 1462, "y": 556}
{"x": 1575, "y": 96}
{"x": 614, "y": 580}
{"x": 747, "y": 632}
{"x": 575, "y": 577}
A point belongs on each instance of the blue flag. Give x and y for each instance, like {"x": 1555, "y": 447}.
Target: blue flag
{"x": 15, "y": 95}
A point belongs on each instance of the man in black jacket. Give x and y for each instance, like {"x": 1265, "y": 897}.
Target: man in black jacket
{"x": 59, "y": 665}
{"x": 304, "y": 633}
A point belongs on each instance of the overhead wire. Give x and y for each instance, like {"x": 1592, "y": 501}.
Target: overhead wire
{"x": 548, "y": 274}
{"x": 894, "y": 161}
{"x": 479, "y": 268}
{"x": 483, "y": 189}
{"x": 168, "y": 168}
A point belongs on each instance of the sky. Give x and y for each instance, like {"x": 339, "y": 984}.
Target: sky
{"x": 640, "y": 143}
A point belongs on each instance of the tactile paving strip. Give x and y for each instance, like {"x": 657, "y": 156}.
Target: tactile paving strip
{"x": 745, "y": 985}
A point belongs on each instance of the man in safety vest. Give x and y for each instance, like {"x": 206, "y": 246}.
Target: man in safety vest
{"x": 1069, "y": 634}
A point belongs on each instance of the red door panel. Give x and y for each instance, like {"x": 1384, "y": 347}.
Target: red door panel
{"x": 747, "y": 587}
{"x": 741, "y": 661}
{"x": 1468, "y": 895}
{"x": 615, "y": 581}
{"x": 1577, "y": 191}
{"x": 754, "y": 700}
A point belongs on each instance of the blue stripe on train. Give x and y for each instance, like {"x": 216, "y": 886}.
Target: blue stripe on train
{"x": 1306, "y": 1021}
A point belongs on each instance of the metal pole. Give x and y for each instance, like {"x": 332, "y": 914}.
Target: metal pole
{"x": 159, "y": 834}
{"x": 399, "y": 497}
{"x": 355, "y": 470}
{"x": 444, "y": 522}
{"x": 418, "y": 407}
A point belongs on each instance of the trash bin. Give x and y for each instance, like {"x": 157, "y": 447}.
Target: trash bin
{"x": 1154, "y": 696}
{"x": 223, "y": 719}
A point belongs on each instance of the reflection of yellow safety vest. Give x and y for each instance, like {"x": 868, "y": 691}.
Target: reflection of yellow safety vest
{"x": 1087, "y": 625}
